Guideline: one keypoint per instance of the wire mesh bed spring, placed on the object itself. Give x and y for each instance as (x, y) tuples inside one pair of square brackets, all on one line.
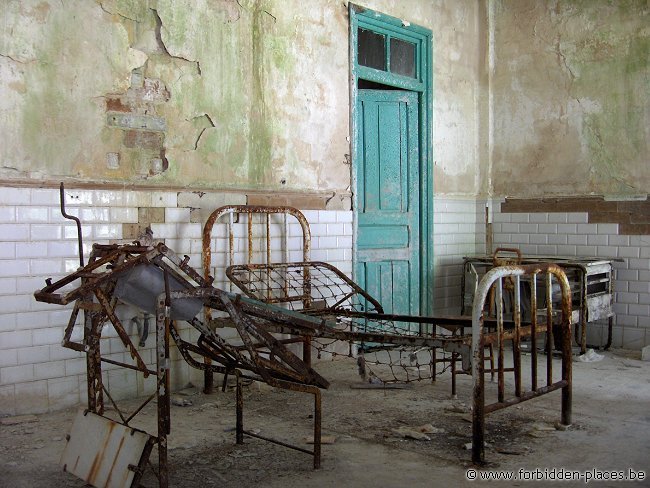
[(321, 290)]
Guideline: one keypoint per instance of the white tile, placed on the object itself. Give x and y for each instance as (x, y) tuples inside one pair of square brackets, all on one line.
[(177, 215), (70, 232), (50, 369), (327, 216), (42, 232), (587, 228), (640, 264), (15, 303), (557, 217), (8, 286), (597, 240), (586, 250), (335, 229), (46, 266), (7, 250), (538, 218), (51, 335), (32, 214), (75, 197), (521, 218), (567, 228), (528, 228), (617, 240), (34, 354), (627, 298), (634, 338), (45, 196), (639, 286), (327, 242), (607, 228), (644, 298), (627, 274), (16, 374), (124, 215), (7, 214), (344, 242), (31, 250), (62, 249), (75, 366), (577, 240), (578, 218), (189, 231), (9, 357), (164, 199), (344, 217), (106, 231), (95, 215), (14, 232), (15, 196), (548, 228), (558, 239), (33, 320), (164, 231), (628, 252)]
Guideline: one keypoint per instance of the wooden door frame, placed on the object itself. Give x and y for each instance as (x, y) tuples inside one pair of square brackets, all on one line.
[(422, 84)]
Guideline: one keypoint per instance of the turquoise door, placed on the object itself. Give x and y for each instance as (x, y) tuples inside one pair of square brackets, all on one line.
[(387, 184)]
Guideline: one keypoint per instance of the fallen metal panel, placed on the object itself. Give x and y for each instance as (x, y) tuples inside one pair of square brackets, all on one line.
[(100, 451)]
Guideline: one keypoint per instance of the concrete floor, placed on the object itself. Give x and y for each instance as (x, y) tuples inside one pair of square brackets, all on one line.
[(611, 431)]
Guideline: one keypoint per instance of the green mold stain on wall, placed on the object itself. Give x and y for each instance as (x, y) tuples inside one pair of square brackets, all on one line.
[(612, 66)]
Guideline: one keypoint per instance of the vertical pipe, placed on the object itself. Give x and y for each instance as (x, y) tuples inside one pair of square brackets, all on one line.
[(549, 330), (77, 221), (317, 428), (250, 237), (239, 428), (533, 332), (516, 343), (478, 409), (500, 366), (162, 393), (231, 244), (268, 255)]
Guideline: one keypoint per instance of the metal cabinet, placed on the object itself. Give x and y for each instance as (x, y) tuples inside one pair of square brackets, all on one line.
[(591, 281)]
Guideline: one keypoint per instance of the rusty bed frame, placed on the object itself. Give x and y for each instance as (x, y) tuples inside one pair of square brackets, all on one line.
[(262, 356)]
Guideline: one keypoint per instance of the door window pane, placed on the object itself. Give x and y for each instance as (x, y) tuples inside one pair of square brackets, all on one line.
[(371, 49), (402, 58)]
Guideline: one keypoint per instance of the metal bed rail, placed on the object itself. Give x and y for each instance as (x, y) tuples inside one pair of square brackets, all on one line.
[(497, 282), (257, 245)]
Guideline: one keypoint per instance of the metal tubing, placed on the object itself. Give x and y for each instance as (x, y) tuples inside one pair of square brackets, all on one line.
[(77, 221)]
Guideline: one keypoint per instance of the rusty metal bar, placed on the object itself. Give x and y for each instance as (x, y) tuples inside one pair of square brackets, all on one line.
[(495, 277), (533, 332), (516, 342), (549, 330), (77, 221)]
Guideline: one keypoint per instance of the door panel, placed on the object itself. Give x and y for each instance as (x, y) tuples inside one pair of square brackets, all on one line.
[(388, 198)]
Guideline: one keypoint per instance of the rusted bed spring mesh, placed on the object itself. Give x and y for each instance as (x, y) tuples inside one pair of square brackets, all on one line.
[(320, 289)]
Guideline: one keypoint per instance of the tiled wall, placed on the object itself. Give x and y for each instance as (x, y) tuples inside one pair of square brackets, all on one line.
[(36, 373), (458, 231), (571, 234)]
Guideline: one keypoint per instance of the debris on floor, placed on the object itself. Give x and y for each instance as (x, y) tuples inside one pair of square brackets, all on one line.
[(590, 356)]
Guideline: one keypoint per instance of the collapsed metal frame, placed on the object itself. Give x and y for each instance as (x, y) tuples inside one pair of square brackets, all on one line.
[(255, 321), (488, 329), (232, 212)]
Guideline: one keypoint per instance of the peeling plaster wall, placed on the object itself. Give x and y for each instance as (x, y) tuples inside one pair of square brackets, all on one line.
[(211, 94), (570, 93)]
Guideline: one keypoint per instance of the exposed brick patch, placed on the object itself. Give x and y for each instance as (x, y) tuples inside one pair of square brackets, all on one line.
[(116, 105), (144, 139), (633, 217)]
